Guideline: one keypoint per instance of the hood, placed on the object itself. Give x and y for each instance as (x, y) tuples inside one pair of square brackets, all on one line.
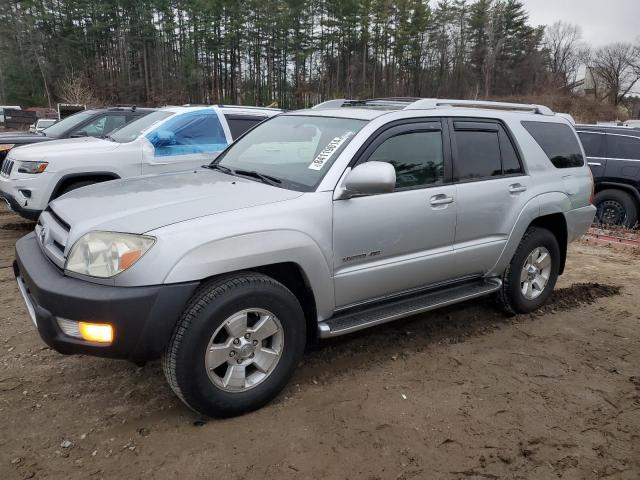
[(141, 204), (85, 145), (18, 138)]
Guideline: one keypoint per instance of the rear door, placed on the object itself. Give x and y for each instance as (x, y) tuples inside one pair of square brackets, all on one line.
[(491, 188), (624, 157), (595, 147)]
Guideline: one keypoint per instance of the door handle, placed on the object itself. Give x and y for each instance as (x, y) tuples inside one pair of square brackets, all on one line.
[(441, 199), (517, 188)]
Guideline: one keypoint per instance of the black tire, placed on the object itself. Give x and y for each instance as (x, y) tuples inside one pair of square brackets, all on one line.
[(510, 295), (183, 361), (74, 186), (616, 207)]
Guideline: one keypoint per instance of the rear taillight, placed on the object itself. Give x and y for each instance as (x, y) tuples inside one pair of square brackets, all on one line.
[(593, 187)]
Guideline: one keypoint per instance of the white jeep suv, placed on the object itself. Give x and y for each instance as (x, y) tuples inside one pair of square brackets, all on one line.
[(168, 140)]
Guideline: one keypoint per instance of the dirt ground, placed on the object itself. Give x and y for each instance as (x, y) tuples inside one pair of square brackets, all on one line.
[(463, 393)]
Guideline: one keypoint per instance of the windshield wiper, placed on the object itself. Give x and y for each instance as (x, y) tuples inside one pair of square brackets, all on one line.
[(268, 179), (215, 166)]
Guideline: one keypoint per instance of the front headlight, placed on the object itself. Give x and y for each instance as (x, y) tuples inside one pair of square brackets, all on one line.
[(32, 167), (106, 254)]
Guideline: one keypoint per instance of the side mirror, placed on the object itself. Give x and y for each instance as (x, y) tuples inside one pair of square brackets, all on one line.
[(164, 138), (370, 178)]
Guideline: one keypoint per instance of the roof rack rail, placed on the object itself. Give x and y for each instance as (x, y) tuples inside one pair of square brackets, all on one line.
[(429, 103), (391, 103)]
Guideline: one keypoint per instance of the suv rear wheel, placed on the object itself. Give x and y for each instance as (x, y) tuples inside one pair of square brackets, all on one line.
[(236, 345), (531, 276), (616, 207)]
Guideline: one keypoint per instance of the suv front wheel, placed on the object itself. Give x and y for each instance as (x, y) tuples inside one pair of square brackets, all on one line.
[(531, 276), (236, 345)]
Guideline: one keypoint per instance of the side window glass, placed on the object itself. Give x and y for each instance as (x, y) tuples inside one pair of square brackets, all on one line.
[(624, 147), (478, 154), (510, 162), (558, 141), (95, 128), (238, 125), (593, 144), (417, 158), (113, 122), (196, 132)]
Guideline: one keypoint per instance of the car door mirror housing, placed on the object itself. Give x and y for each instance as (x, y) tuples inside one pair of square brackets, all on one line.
[(370, 178), (164, 138)]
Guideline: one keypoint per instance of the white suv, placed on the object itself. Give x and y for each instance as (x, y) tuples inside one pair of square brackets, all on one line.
[(168, 140)]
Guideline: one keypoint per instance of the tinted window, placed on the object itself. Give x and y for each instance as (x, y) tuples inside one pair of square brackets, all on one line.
[(95, 128), (593, 144), (558, 142), (478, 154), (239, 124), (510, 162), (416, 156), (623, 147)]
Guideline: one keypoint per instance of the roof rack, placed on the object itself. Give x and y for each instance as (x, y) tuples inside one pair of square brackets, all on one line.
[(411, 103), (428, 103)]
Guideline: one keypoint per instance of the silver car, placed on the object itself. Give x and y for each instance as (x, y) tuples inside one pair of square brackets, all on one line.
[(315, 223)]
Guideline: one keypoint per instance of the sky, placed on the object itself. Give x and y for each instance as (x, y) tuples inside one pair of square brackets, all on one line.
[(602, 21)]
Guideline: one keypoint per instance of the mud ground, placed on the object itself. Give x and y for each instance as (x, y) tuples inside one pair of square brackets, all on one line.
[(463, 393)]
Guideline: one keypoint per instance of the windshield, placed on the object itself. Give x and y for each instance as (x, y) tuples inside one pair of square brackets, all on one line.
[(294, 149), (68, 123), (133, 130)]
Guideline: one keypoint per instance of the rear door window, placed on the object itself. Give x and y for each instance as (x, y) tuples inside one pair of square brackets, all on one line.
[(593, 144), (623, 147), (558, 141), (239, 124)]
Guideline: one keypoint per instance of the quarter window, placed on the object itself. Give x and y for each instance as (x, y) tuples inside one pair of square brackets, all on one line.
[(239, 124), (624, 147), (558, 141), (416, 156)]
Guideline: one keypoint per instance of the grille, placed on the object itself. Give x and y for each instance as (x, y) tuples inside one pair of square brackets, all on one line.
[(7, 166), (52, 233)]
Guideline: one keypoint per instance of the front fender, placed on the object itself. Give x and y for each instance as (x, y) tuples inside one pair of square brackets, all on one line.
[(249, 251)]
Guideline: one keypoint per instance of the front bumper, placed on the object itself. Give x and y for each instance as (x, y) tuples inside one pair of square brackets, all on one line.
[(143, 318), (18, 208)]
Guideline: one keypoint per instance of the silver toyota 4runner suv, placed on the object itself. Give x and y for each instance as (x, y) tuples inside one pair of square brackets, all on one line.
[(314, 224)]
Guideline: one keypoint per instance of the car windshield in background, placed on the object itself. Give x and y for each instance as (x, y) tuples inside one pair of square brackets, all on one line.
[(60, 128), (295, 150), (133, 130)]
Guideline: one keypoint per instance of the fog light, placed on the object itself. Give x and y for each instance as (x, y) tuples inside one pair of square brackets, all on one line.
[(96, 332), (91, 332), (25, 193)]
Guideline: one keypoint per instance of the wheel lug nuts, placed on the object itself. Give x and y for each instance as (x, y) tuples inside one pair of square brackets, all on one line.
[(236, 341), (232, 353), (255, 342), (239, 360), (247, 335)]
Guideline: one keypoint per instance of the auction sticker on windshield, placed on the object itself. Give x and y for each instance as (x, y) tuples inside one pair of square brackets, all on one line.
[(328, 151)]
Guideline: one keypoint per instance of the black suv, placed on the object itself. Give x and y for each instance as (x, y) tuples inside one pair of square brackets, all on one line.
[(614, 157), (88, 123)]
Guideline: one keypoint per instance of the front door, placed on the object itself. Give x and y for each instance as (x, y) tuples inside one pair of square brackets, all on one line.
[(395, 242), (184, 142)]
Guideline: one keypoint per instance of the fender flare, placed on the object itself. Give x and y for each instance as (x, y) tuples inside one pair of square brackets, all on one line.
[(64, 178)]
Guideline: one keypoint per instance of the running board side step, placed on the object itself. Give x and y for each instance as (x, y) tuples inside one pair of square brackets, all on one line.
[(352, 321)]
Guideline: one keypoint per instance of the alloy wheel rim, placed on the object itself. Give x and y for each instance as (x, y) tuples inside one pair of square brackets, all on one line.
[(535, 273), (244, 350)]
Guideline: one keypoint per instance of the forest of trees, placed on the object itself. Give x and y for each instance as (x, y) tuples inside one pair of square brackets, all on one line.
[(290, 53)]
